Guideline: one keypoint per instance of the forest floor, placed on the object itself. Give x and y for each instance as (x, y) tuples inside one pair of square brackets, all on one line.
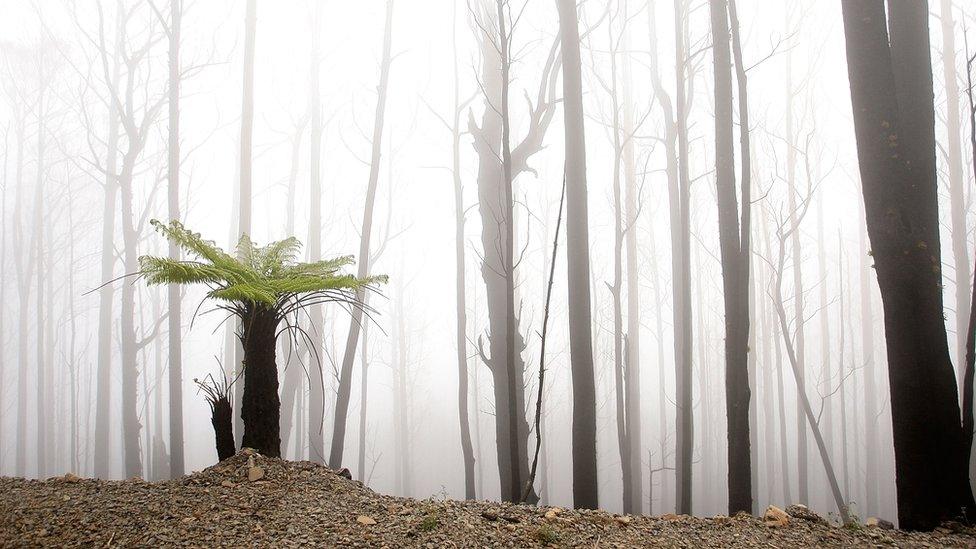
[(250, 500)]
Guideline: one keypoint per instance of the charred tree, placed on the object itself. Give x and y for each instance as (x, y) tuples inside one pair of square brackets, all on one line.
[(890, 70)]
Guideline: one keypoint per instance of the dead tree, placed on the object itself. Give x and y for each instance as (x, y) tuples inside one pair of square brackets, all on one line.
[(578, 254), (349, 355), (890, 71)]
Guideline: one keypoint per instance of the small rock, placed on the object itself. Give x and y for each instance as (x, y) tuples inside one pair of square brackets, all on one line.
[(721, 519), (510, 527), (255, 473), (489, 515), (802, 512), (344, 473), (365, 520), (875, 522), (622, 520), (227, 484), (551, 513), (71, 477), (775, 517)]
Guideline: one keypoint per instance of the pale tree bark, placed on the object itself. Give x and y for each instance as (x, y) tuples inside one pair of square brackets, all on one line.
[(959, 231), (316, 382), (244, 191), (349, 355), (676, 152), (798, 303), (890, 71), (461, 330), (869, 373), (496, 263), (578, 254), (176, 461)]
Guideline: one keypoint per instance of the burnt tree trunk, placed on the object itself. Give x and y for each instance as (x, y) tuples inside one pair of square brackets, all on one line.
[(260, 406), (894, 120)]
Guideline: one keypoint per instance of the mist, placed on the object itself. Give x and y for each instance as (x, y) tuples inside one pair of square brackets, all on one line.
[(501, 211)]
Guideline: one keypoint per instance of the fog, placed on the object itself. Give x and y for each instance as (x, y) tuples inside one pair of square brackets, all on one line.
[(59, 103)]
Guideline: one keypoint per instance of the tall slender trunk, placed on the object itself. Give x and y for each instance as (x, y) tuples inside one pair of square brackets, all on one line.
[(734, 244), (632, 370), (684, 428), (872, 440), (578, 254), (349, 356), (826, 373), (890, 70), (802, 453), (842, 390), (245, 193), (461, 329), (959, 231), (38, 238), (106, 295), (316, 389), (363, 393), (175, 320)]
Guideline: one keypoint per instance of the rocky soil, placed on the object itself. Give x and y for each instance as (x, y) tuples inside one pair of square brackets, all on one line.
[(254, 501)]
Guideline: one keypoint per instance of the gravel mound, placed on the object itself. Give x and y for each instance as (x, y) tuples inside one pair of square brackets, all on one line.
[(253, 501)]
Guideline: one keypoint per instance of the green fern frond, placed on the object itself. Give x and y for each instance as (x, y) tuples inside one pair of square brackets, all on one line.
[(267, 275)]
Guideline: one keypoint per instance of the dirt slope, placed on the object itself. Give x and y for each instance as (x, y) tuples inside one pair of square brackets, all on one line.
[(300, 504)]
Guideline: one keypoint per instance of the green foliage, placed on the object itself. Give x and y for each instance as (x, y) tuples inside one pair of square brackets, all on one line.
[(268, 275), (547, 535), (429, 523)]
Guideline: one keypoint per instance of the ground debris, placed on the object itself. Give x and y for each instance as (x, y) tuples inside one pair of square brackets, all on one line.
[(302, 504)]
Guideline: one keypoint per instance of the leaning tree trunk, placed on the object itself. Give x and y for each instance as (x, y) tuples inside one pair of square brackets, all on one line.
[(894, 121), (578, 255), (260, 406), (349, 356)]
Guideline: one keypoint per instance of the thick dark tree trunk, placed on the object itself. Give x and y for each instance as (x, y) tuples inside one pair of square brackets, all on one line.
[(260, 407), (894, 119), (222, 419), (735, 265), (578, 254)]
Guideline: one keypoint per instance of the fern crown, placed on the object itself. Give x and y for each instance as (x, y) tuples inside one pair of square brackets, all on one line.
[(270, 275)]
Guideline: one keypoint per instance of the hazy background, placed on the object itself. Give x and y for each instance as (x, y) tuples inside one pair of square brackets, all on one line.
[(415, 208)]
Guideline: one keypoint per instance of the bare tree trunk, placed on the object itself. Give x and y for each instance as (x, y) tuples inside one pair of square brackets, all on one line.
[(38, 238), (461, 333), (632, 350), (349, 356), (826, 372), (957, 201), (316, 385), (176, 462), (868, 366), (802, 453), (892, 97), (842, 390), (734, 244), (245, 192), (106, 295), (578, 254)]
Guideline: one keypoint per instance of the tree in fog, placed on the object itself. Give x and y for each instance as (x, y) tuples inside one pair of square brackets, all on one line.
[(890, 70), (497, 173), (679, 208), (261, 288), (352, 339), (585, 493), (734, 244)]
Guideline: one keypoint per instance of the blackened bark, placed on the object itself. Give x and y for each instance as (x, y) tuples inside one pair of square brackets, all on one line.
[(578, 254), (222, 420), (894, 119), (735, 278), (260, 406)]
